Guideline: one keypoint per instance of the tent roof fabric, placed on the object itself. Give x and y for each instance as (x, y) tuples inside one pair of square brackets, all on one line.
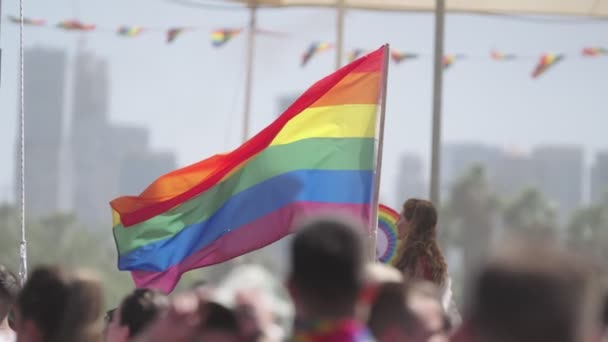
[(584, 8)]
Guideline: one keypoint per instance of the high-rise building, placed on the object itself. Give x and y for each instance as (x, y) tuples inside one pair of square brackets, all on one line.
[(410, 178), (458, 158), (558, 172), (139, 170), (599, 177), (44, 85), (511, 173)]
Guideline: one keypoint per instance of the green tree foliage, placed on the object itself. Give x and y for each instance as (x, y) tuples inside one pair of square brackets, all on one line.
[(588, 231), (530, 213), (60, 239)]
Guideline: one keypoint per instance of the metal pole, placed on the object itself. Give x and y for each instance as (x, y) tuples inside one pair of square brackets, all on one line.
[(378, 162), (339, 32), (437, 97), (249, 71)]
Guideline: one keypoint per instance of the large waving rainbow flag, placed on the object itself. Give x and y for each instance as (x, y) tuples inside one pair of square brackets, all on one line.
[(318, 156)]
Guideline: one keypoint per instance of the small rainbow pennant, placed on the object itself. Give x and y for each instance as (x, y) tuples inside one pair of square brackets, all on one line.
[(222, 36), (172, 33), (354, 54), (594, 51), (129, 31), (398, 56), (546, 61), (27, 21), (501, 56), (387, 226), (313, 49), (75, 25)]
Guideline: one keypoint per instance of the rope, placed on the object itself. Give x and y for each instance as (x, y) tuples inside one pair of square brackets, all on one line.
[(23, 245)]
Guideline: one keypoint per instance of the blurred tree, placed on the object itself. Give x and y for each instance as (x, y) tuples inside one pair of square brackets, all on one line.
[(467, 219), (588, 231), (60, 239), (530, 213)]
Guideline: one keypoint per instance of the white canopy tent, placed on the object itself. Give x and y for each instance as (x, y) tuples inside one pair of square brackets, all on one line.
[(583, 9)]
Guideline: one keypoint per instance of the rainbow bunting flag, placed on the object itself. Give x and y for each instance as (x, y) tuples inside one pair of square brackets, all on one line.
[(75, 25), (221, 37), (501, 56), (387, 241), (27, 21), (398, 56), (173, 33), (448, 60), (314, 49), (546, 61), (317, 157), (594, 51), (354, 54), (129, 31)]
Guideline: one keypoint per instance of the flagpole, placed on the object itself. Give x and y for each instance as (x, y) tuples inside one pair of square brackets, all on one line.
[(373, 224), (249, 72), (437, 98), (339, 33)]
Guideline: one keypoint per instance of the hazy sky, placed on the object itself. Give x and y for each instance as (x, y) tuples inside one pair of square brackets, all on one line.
[(190, 94)]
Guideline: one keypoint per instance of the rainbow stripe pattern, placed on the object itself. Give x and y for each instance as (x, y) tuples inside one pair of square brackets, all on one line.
[(398, 56), (129, 31), (222, 36), (314, 49), (318, 156), (75, 25), (501, 56), (387, 225), (27, 21), (546, 61), (594, 51)]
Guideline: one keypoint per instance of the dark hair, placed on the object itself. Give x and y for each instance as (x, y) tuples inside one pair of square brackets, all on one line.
[(64, 306), (421, 242), (140, 308), (327, 265), (389, 309), (217, 317), (9, 289), (532, 293)]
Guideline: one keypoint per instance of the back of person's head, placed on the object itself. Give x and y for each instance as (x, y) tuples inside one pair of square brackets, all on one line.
[(57, 305), (218, 323), (140, 308), (533, 292), (423, 215), (390, 318), (9, 289), (327, 267)]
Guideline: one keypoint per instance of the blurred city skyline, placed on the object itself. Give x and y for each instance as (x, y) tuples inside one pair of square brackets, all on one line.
[(189, 95)]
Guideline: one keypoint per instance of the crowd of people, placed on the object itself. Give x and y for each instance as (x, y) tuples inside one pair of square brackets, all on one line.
[(525, 292)]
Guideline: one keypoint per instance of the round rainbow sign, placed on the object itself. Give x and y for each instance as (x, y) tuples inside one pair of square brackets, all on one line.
[(387, 239)]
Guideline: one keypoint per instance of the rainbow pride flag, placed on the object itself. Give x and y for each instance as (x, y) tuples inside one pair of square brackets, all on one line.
[(317, 157)]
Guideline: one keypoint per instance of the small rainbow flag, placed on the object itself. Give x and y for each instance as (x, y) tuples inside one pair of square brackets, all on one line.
[(27, 21), (448, 60), (387, 242), (546, 61), (172, 33), (75, 25), (129, 31), (313, 49), (500, 56), (354, 54), (594, 51), (399, 57), (222, 36), (317, 157)]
